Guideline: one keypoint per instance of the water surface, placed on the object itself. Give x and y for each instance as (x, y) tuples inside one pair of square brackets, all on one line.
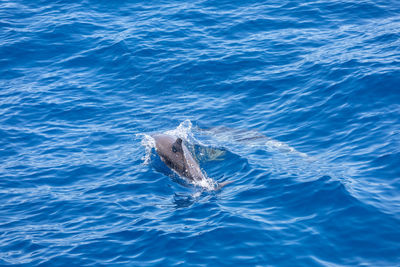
[(296, 102)]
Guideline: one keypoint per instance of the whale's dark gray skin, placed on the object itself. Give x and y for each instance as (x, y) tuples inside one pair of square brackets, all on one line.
[(177, 156)]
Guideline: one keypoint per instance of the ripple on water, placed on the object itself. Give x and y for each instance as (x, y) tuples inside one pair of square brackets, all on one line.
[(296, 103)]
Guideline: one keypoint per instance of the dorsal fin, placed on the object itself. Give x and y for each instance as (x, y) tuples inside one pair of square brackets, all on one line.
[(177, 145)]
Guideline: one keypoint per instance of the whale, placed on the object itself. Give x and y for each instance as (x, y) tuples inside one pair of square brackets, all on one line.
[(175, 154)]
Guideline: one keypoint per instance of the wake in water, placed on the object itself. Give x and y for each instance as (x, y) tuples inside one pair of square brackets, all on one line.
[(218, 144), (249, 138), (212, 144)]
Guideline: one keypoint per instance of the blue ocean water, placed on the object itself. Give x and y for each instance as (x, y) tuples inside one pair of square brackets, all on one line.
[(296, 102)]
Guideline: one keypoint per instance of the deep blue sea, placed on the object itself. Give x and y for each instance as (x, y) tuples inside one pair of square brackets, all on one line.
[(297, 103)]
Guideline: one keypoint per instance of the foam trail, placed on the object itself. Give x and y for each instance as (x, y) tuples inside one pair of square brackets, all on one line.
[(249, 138)]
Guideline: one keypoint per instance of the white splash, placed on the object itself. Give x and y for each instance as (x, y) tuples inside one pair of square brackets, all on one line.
[(207, 183), (148, 143), (184, 131)]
